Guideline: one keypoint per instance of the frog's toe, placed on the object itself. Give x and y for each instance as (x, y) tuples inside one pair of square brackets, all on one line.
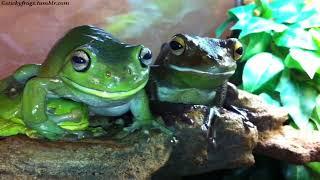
[(48, 130), (122, 134), (98, 132), (128, 130), (78, 135), (161, 127), (89, 133), (144, 126), (134, 126), (147, 125)]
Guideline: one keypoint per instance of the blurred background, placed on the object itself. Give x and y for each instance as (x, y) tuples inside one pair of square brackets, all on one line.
[(28, 32)]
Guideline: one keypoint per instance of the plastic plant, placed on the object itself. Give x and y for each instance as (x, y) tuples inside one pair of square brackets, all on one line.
[(282, 58), (282, 55)]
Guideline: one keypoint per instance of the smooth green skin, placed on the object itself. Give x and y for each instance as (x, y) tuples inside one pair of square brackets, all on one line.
[(66, 113), (195, 76), (112, 86)]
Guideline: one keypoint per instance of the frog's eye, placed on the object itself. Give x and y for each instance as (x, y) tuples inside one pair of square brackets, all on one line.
[(177, 45), (145, 57), (80, 61), (237, 49)]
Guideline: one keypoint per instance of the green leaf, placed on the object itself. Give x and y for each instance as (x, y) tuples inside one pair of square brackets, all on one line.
[(298, 99), (297, 172), (309, 61), (224, 25), (257, 24), (279, 51), (308, 19), (242, 12), (314, 166), (286, 11), (260, 69), (317, 108), (316, 114), (264, 8), (295, 38), (315, 33), (290, 63), (255, 43), (268, 99)]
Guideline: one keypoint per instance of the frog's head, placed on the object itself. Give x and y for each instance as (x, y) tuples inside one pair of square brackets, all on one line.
[(200, 61), (105, 67)]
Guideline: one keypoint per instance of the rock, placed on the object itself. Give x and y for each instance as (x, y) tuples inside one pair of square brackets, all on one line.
[(193, 155), (276, 140), (291, 145), (135, 157), (139, 156), (262, 115)]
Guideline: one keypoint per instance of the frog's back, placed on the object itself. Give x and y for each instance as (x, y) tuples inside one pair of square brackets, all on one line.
[(74, 38)]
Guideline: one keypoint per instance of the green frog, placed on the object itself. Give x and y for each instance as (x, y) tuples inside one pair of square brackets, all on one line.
[(88, 71), (193, 70)]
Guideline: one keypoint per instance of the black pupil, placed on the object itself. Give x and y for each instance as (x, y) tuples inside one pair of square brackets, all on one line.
[(174, 45), (78, 60), (239, 50), (148, 55)]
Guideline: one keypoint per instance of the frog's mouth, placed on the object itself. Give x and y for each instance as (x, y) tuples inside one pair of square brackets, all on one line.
[(104, 94), (219, 73)]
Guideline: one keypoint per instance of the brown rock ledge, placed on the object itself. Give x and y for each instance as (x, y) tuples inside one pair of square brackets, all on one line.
[(140, 156), (291, 145)]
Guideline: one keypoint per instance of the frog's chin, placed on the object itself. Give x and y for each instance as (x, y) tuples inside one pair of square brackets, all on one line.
[(190, 70), (104, 94)]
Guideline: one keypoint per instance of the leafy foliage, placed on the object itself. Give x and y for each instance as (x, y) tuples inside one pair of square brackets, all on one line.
[(254, 78), (282, 61), (267, 168), (282, 54)]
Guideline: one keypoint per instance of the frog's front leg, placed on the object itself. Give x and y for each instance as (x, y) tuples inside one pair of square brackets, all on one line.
[(74, 117), (143, 118), (209, 123), (25, 72), (20, 76), (34, 105), (71, 124)]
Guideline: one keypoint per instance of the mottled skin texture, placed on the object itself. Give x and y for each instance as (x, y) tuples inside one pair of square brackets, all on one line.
[(194, 70), (87, 70)]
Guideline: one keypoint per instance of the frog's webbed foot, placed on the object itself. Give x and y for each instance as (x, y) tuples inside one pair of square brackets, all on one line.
[(208, 126), (88, 133), (243, 113), (50, 130), (145, 126)]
